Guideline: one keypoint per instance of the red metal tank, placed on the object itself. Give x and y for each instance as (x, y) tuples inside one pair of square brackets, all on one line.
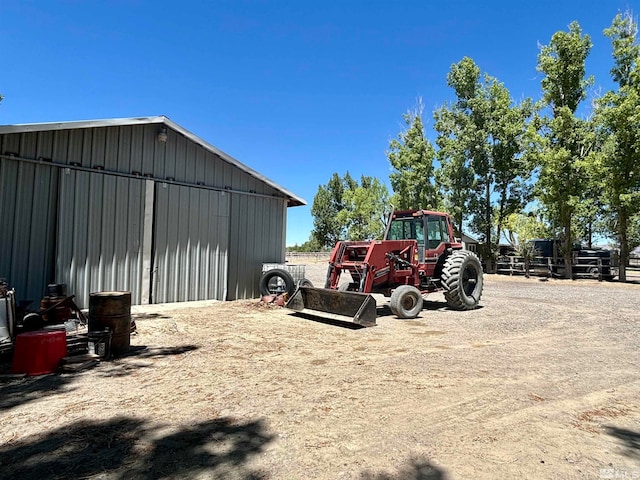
[(39, 352)]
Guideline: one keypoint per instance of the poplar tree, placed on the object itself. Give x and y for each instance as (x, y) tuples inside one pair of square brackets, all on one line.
[(566, 140), (327, 204), (455, 175), (344, 209), (411, 156), (366, 209), (481, 139), (618, 114)]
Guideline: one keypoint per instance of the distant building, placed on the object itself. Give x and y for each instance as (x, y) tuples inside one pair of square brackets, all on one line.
[(470, 243), (137, 204)]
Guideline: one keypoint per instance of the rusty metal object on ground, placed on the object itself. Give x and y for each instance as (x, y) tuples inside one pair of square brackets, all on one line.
[(59, 309), (55, 309), (112, 310), (279, 300)]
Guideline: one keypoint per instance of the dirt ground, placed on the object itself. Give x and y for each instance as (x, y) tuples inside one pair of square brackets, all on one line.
[(541, 382)]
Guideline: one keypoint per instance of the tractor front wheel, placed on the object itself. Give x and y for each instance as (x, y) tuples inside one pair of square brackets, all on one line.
[(462, 280), (406, 301)]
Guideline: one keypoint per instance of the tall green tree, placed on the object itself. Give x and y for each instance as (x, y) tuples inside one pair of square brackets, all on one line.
[(481, 135), (566, 141), (327, 204), (618, 114), (366, 209), (344, 209), (590, 217), (411, 156), (455, 175)]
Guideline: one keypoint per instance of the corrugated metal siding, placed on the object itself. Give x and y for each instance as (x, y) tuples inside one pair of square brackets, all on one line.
[(100, 234), (133, 149), (257, 237), (28, 200), (254, 225), (191, 244)]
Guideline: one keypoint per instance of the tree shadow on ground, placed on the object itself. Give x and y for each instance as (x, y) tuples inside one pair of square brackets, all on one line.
[(127, 363), (629, 438), (129, 448), (416, 469), (24, 390), (142, 351)]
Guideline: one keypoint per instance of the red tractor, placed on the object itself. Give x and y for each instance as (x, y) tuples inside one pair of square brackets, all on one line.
[(419, 255)]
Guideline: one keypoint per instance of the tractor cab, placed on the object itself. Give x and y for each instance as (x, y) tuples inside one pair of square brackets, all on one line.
[(432, 230)]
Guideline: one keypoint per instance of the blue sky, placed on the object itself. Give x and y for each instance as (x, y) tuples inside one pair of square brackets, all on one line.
[(296, 90)]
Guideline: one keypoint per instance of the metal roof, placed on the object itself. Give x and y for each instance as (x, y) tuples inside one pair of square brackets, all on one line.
[(294, 200), (467, 239)]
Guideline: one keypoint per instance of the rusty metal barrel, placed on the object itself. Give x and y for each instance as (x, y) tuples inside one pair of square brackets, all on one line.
[(112, 310)]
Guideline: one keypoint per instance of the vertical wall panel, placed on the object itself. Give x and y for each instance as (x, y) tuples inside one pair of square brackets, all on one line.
[(112, 143), (44, 146), (135, 153), (98, 147), (181, 159), (85, 151), (147, 241), (74, 152), (99, 234), (257, 237), (150, 135), (123, 160), (10, 143), (28, 198), (191, 244), (60, 146), (189, 168)]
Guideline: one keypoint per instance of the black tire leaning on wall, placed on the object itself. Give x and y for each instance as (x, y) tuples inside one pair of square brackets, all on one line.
[(271, 276)]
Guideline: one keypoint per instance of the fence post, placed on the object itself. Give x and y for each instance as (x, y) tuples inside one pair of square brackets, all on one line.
[(599, 269)]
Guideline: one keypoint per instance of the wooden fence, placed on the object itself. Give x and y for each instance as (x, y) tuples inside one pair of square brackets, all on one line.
[(598, 268), (307, 257)]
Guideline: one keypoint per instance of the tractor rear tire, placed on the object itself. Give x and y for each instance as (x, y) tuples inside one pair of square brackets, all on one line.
[(406, 301), (277, 282), (462, 280)]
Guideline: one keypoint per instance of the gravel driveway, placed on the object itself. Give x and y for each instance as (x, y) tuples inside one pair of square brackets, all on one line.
[(542, 381)]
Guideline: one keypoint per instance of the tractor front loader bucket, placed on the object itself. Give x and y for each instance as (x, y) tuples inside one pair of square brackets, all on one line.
[(357, 307)]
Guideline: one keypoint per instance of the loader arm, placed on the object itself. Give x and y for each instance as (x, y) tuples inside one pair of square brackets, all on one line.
[(374, 267)]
